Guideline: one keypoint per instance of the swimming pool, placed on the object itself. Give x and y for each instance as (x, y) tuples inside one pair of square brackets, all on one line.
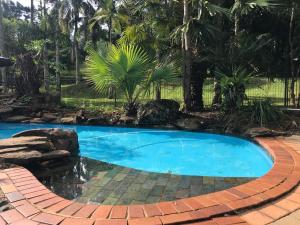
[(165, 151)]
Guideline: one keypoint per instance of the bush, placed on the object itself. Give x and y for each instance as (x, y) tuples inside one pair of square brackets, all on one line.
[(264, 113)]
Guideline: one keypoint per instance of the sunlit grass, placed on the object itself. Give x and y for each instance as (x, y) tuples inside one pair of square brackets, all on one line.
[(85, 96)]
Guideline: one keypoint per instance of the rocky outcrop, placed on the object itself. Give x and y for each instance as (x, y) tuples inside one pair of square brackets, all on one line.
[(17, 119), (263, 132), (193, 124), (157, 112), (39, 145)]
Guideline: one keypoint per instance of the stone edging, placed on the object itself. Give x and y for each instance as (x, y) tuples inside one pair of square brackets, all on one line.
[(34, 201)]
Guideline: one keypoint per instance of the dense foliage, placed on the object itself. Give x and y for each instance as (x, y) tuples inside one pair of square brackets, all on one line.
[(234, 38)]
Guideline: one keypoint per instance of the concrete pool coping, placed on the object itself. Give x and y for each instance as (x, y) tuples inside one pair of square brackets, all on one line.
[(33, 202)]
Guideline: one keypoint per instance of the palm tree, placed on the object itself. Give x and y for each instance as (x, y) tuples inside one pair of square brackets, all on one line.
[(194, 33), (151, 31), (107, 14), (293, 10), (243, 7), (69, 19), (45, 50), (187, 55), (128, 69), (55, 20), (31, 11)]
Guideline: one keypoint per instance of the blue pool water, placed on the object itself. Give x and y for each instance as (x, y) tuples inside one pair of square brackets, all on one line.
[(165, 151)]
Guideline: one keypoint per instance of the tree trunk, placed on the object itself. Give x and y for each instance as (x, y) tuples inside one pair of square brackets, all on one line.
[(110, 30), (31, 12), (57, 62), (217, 93), (197, 81), (236, 20), (45, 56), (292, 65), (3, 70), (46, 70), (57, 59), (77, 66), (187, 59), (27, 76), (158, 86), (76, 49)]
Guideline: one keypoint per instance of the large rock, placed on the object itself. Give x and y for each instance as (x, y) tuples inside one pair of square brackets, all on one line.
[(193, 124), (97, 120), (61, 139), (68, 120), (17, 119), (157, 112), (262, 132), (35, 146)]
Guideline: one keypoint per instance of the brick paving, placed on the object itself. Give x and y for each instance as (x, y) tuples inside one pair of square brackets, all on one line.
[(270, 199), (108, 184)]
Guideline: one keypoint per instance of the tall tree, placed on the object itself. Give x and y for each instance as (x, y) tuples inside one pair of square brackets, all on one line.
[(45, 50), (187, 55), (197, 31), (31, 11), (108, 15), (3, 70), (69, 21), (294, 48)]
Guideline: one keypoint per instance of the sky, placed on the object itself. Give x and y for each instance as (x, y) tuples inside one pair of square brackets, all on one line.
[(24, 2)]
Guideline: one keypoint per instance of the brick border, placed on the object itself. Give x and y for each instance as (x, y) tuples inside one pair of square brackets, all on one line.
[(35, 203)]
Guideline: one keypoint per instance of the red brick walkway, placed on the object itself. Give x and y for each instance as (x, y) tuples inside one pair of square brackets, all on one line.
[(35, 204)]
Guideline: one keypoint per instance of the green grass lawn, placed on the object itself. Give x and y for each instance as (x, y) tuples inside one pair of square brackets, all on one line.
[(85, 96)]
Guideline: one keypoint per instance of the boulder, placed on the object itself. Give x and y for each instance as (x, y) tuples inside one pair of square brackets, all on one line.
[(157, 112), (17, 119), (36, 120), (126, 120), (36, 146), (6, 111), (193, 124), (61, 139), (97, 120), (67, 120), (49, 117), (80, 117), (263, 132)]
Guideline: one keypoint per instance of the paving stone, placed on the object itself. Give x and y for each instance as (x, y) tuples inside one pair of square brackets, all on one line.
[(157, 190), (71, 209), (274, 212), (184, 183), (118, 212), (288, 205), (149, 184), (182, 193), (142, 177), (257, 218), (14, 196), (120, 177), (27, 210), (48, 218), (111, 201), (24, 222), (102, 212), (86, 211), (8, 188), (77, 221), (11, 216)]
